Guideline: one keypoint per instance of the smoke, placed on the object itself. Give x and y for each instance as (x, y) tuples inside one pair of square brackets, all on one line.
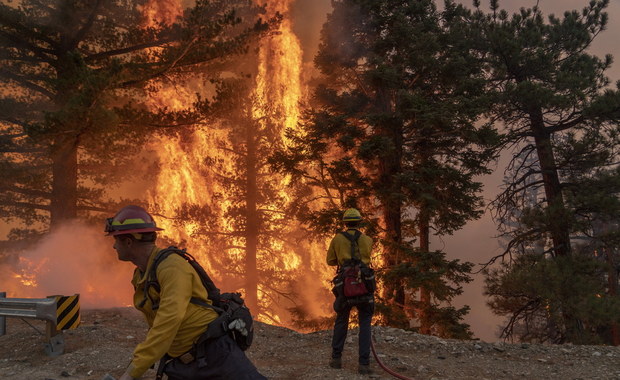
[(308, 18), (73, 259)]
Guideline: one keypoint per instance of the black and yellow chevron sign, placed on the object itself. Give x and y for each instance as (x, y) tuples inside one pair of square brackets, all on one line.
[(67, 312)]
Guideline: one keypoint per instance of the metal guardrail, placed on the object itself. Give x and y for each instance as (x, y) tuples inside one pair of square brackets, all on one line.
[(54, 310)]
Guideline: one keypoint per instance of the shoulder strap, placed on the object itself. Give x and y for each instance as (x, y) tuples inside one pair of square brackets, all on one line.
[(151, 277), (213, 293), (353, 239)]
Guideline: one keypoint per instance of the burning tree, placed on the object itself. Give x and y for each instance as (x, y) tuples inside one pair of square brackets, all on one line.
[(251, 222), (75, 74), (216, 188), (561, 116), (394, 132)]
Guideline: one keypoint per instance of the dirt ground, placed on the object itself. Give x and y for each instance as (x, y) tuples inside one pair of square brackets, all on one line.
[(105, 339)]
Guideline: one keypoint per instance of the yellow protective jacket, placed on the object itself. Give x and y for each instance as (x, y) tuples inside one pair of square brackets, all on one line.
[(177, 323), (340, 248)]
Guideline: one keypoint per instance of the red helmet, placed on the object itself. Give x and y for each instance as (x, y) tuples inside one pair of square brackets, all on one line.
[(130, 220)]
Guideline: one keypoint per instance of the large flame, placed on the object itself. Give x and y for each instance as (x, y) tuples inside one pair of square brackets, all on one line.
[(194, 206), (187, 186)]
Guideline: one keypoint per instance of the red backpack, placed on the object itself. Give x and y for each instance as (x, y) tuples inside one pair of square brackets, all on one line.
[(354, 279)]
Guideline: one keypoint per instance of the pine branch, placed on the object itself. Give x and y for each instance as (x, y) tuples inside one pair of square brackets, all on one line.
[(23, 191), (23, 31), (25, 205), (87, 25), (24, 82), (125, 50)]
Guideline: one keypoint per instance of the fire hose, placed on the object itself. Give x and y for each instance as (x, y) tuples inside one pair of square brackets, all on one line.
[(386, 369)]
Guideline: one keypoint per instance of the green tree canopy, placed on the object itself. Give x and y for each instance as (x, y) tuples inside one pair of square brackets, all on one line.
[(561, 117)]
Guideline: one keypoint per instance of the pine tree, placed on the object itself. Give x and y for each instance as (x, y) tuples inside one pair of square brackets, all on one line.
[(561, 116), (74, 77), (253, 206), (394, 132)]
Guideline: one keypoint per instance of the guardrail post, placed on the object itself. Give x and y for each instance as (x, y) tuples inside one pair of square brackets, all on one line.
[(2, 318), (55, 340), (59, 312)]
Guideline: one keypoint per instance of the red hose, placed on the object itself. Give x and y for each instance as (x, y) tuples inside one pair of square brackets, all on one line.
[(386, 369)]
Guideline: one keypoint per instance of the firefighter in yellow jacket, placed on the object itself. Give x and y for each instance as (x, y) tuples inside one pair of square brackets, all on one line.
[(175, 324), (338, 254)]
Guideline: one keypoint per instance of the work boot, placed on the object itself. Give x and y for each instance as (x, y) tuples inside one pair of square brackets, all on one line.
[(364, 369), (335, 363)]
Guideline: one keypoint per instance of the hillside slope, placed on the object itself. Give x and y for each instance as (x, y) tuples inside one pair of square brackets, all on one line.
[(104, 342)]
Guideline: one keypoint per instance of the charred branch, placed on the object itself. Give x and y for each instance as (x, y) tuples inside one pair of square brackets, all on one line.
[(520, 238), (524, 313), (28, 32)]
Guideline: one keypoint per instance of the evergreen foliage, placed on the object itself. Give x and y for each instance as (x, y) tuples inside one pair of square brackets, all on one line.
[(561, 117), (252, 221), (73, 99), (393, 132)]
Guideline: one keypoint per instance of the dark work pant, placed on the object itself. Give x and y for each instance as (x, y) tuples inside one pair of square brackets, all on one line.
[(224, 361), (341, 326)]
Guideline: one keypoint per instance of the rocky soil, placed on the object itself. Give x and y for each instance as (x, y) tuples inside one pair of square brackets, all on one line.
[(104, 341)]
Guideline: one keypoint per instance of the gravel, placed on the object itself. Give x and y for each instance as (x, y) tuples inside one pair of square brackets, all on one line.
[(105, 339)]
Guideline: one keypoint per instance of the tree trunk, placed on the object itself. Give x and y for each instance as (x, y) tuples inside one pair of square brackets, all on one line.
[(425, 296), (252, 222), (64, 197), (612, 283), (65, 141), (556, 209), (390, 166), (553, 191)]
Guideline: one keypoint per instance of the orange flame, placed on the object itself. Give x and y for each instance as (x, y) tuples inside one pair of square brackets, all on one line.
[(188, 181), (80, 260)]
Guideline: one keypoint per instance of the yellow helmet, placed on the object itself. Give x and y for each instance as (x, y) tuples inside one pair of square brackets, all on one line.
[(351, 215)]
